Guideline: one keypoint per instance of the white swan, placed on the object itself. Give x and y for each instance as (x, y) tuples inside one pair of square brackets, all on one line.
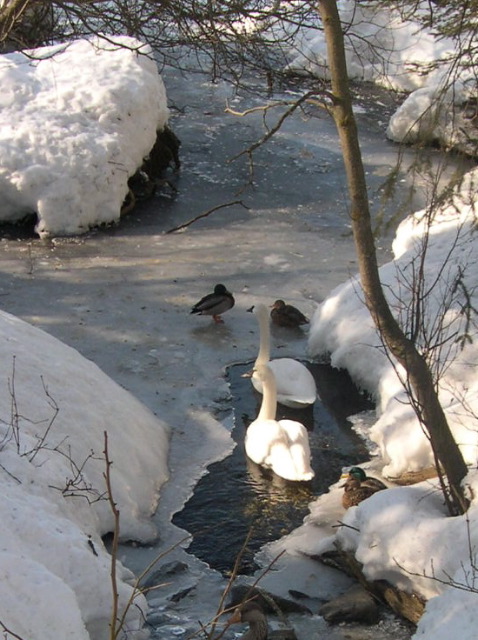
[(295, 384), (281, 445)]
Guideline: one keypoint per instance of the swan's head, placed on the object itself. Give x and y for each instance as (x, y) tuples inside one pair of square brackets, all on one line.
[(260, 372), (259, 310)]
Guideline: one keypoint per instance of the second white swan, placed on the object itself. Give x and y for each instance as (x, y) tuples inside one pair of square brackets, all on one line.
[(295, 384)]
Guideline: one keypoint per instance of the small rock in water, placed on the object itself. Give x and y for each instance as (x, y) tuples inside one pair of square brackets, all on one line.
[(240, 592), (163, 573), (355, 605)]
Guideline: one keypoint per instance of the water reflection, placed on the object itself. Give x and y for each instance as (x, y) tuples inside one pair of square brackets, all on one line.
[(237, 495)]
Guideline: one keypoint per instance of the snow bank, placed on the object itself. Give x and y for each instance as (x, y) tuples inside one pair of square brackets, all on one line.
[(443, 112), (53, 510), (76, 121), (403, 536), (342, 328), (380, 47)]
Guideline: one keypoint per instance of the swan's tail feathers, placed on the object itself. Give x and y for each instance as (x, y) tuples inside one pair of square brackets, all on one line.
[(299, 449)]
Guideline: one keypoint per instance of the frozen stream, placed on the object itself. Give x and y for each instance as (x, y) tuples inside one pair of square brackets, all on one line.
[(121, 296)]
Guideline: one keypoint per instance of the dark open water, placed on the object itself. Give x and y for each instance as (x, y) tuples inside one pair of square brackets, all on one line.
[(236, 494)]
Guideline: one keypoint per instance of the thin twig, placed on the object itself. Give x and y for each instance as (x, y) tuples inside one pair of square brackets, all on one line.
[(205, 214), (114, 629), (295, 105), (342, 524), (262, 108), (56, 410), (10, 474), (10, 632)]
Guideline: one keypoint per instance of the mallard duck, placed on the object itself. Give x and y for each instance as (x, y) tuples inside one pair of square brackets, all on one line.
[(358, 487), (285, 315), (214, 304), (253, 613), (280, 445), (294, 382)]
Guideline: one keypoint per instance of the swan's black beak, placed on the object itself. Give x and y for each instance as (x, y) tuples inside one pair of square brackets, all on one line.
[(251, 309)]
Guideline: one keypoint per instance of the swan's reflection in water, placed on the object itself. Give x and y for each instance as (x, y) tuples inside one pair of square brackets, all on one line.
[(273, 496), (237, 495)]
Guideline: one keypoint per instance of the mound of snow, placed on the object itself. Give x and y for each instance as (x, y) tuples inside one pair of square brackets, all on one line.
[(55, 407), (76, 121), (343, 329)]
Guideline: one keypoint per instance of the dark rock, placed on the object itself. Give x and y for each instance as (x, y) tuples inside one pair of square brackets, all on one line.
[(172, 568), (149, 176), (157, 618), (182, 594), (408, 605), (268, 601), (282, 634), (162, 574), (355, 605), (164, 153), (298, 595)]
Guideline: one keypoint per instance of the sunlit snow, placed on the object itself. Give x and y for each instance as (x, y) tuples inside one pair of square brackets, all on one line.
[(76, 122), (104, 106)]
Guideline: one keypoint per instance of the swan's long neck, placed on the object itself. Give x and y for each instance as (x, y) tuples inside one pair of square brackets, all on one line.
[(264, 354), (269, 398)]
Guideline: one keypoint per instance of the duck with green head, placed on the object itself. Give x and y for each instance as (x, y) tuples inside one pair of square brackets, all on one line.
[(215, 303), (359, 486)]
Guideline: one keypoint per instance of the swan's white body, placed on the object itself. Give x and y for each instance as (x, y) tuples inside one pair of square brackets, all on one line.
[(295, 384), (281, 445)]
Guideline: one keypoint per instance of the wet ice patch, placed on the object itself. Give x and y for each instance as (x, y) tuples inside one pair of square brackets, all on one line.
[(275, 260)]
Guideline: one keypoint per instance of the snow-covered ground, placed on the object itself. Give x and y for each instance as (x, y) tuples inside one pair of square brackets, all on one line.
[(56, 408), (50, 540)]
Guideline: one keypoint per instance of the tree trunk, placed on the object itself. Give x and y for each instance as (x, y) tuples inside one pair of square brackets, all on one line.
[(426, 403)]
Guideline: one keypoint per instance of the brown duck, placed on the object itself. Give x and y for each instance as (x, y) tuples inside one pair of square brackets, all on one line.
[(253, 613), (359, 487), (285, 315)]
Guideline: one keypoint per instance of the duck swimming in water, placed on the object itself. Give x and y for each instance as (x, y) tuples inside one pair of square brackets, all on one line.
[(215, 304), (358, 487), (285, 315)]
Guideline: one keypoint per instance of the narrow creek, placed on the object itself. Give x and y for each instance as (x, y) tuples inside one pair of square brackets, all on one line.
[(236, 495), (299, 189)]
